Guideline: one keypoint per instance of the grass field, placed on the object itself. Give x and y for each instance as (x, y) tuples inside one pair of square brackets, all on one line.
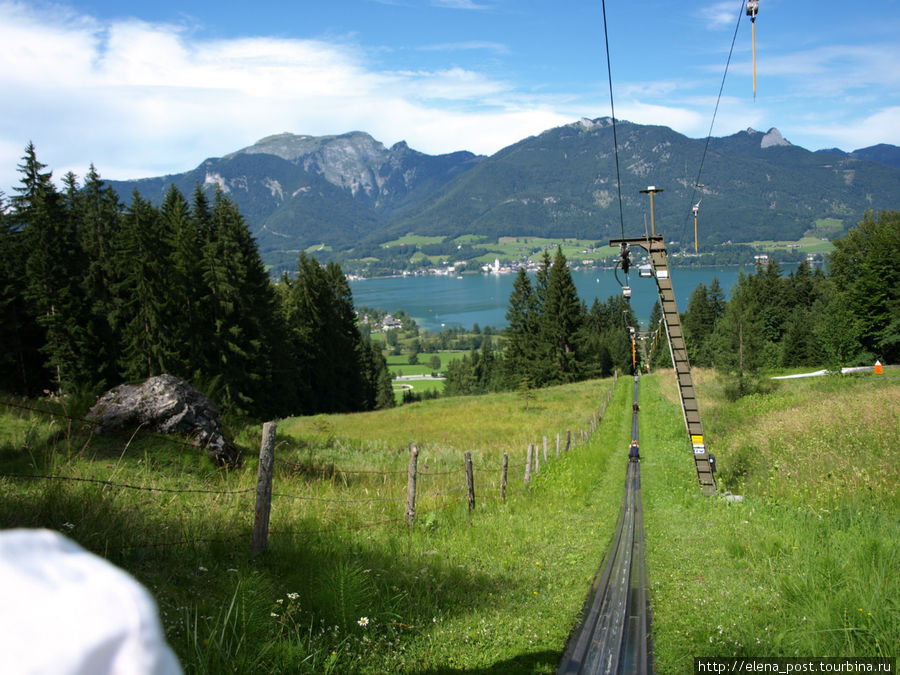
[(804, 245), (806, 564), (512, 248)]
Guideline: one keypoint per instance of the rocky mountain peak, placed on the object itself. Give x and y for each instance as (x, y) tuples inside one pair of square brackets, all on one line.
[(773, 138)]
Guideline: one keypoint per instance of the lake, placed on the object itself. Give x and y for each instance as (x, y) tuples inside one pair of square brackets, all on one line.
[(436, 301)]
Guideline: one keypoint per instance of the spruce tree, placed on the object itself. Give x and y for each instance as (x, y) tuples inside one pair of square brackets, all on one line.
[(99, 212), (342, 350), (243, 308), (52, 271), (143, 309), (520, 346), (190, 328), (699, 321), (324, 340), (863, 267), (21, 363), (562, 315), (739, 339)]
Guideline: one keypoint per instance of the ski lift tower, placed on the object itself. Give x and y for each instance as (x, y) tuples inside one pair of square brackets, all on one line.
[(656, 248)]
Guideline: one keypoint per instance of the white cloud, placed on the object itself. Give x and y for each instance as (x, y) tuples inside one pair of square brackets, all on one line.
[(882, 126), (719, 15), (138, 98), (472, 45), (459, 4)]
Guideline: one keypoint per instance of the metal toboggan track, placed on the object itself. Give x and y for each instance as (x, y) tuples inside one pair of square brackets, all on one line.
[(613, 634)]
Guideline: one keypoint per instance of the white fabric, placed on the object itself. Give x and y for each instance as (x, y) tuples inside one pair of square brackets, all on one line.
[(65, 611)]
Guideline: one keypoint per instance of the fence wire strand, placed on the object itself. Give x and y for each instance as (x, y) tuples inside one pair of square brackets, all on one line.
[(491, 495)]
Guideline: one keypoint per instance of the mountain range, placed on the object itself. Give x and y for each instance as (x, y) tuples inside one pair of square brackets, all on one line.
[(350, 192)]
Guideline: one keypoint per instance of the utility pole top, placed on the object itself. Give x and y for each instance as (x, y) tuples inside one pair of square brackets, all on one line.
[(652, 190)]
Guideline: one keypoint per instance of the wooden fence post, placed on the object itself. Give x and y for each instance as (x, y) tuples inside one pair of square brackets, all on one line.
[(264, 489), (568, 439), (557, 446), (537, 460), (411, 484), (503, 474), (528, 464), (470, 481), (545, 449)]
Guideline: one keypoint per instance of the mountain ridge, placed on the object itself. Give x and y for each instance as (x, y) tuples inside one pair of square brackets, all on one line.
[(340, 191)]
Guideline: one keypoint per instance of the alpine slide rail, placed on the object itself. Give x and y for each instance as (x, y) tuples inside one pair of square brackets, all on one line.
[(613, 633)]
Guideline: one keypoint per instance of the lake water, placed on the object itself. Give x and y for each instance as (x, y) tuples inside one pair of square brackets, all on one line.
[(436, 301)]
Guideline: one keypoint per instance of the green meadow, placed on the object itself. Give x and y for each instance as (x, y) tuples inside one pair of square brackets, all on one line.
[(805, 564)]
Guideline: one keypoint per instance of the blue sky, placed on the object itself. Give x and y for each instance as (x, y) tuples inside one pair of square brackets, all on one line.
[(144, 89)]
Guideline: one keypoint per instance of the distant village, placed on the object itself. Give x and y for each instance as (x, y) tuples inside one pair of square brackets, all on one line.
[(507, 267)]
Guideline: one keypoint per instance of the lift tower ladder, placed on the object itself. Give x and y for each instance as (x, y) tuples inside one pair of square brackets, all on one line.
[(654, 245)]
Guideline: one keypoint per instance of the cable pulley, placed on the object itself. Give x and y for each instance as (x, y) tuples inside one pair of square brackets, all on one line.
[(752, 9), (624, 262), (696, 210)]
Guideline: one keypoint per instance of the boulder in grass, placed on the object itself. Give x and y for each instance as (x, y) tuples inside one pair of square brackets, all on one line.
[(166, 404)]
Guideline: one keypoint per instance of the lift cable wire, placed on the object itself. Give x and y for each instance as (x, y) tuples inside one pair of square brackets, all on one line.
[(613, 110), (711, 124)]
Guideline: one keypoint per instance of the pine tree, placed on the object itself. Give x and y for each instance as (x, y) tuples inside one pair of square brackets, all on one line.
[(738, 340), (242, 306), (52, 270), (562, 316), (21, 363), (800, 345), (190, 328), (698, 323), (99, 212), (378, 391), (839, 332), (520, 347), (323, 338), (143, 310), (863, 267)]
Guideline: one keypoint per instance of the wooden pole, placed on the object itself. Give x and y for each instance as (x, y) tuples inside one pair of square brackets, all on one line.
[(557, 446), (503, 475), (264, 490), (568, 439), (545, 449), (537, 460), (470, 481), (411, 484), (528, 464)]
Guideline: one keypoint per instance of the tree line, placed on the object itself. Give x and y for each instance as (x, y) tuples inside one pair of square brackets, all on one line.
[(849, 316), (94, 293), (551, 338)]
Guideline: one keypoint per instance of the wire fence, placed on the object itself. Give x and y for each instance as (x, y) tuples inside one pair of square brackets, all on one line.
[(349, 499)]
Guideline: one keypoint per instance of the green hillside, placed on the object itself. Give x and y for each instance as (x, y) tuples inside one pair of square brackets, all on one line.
[(805, 564), (558, 184)]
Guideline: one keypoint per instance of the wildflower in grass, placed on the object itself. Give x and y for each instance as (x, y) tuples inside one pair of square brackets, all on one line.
[(273, 614), (202, 569), (293, 596), (363, 621)]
